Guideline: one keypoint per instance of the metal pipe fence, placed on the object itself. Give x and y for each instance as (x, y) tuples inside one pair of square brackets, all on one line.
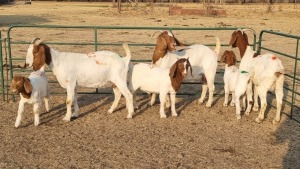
[(1, 69), (98, 40)]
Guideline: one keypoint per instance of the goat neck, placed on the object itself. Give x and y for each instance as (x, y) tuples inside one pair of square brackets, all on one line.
[(159, 52)]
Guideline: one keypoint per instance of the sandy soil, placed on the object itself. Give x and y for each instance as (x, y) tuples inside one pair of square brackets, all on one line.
[(199, 138)]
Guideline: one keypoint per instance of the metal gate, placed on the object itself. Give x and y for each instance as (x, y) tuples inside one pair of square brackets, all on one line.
[(1, 69), (289, 53)]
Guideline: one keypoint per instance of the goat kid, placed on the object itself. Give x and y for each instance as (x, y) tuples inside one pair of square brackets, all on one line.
[(230, 75), (32, 90), (159, 80), (203, 60), (265, 71), (89, 70)]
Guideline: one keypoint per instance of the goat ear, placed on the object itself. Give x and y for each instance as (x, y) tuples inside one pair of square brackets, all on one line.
[(39, 57), (161, 41), (173, 70), (233, 58), (27, 85), (223, 56), (188, 65), (178, 43), (233, 39)]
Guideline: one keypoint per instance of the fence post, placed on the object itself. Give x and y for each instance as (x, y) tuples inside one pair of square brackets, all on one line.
[(1, 69)]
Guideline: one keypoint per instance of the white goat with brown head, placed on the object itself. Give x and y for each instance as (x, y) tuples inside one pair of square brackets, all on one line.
[(230, 75), (203, 61), (160, 81), (32, 90), (265, 71), (94, 69)]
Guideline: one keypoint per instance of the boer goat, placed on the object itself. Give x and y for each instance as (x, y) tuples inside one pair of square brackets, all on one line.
[(230, 75), (32, 90), (89, 70), (203, 60), (265, 71), (159, 80)]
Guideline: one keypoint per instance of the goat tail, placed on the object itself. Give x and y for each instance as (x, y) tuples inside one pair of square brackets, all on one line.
[(218, 46), (126, 59)]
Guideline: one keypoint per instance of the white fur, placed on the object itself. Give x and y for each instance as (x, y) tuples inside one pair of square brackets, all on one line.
[(261, 72), (40, 90), (153, 80), (230, 79), (94, 69), (203, 61)]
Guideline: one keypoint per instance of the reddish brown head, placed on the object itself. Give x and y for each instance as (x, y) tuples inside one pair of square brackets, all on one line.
[(38, 55), (166, 41), (239, 39), (178, 71), (20, 84), (228, 57)]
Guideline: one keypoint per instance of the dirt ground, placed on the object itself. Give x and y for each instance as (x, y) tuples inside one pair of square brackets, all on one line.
[(199, 137)]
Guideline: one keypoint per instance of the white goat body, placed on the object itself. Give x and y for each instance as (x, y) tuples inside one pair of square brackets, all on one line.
[(203, 61), (154, 80), (39, 90), (266, 72), (89, 70), (230, 79)]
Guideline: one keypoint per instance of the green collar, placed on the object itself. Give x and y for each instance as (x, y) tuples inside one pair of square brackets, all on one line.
[(243, 71)]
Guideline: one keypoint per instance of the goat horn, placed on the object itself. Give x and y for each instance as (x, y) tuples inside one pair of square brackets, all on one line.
[(35, 39), (155, 33), (249, 30), (38, 42)]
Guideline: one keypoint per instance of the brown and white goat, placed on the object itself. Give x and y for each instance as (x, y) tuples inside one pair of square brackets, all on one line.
[(203, 60), (94, 69), (32, 90), (265, 71), (159, 80), (230, 75)]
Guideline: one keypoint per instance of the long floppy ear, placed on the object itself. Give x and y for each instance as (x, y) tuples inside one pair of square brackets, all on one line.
[(233, 58), (224, 56), (39, 56), (188, 65), (27, 85), (233, 39), (161, 41), (173, 70)]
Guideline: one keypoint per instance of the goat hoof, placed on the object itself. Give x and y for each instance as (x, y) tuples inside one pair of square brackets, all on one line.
[(275, 121), (66, 119), (110, 111), (231, 104), (200, 102), (258, 120), (174, 114), (129, 117), (247, 113), (163, 116), (255, 108), (225, 105), (208, 105), (238, 116)]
